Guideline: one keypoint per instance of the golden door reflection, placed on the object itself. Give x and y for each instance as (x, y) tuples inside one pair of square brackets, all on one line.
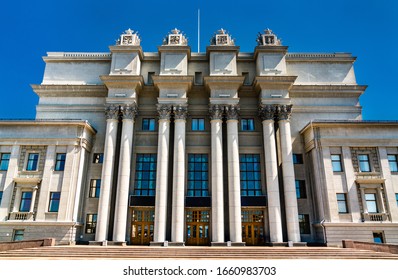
[(142, 226), (198, 227), (253, 227)]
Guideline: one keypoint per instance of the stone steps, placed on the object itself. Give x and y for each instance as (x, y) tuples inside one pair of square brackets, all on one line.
[(142, 252)]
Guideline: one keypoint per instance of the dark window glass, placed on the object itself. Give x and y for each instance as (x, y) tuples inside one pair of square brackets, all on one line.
[(336, 163), (371, 202), (301, 191), (198, 175), (145, 175), (60, 162), (148, 124), (1, 197), (98, 158), (378, 237), (150, 78), (297, 158), (250, 175), (198, 124), (396, 198), (91, 223), (26, 201), (246, 78), (33, 160), (198, 78), (364, 164), (342, 202), (54, 201), (18, 234), (4, 161), (95, 187), (247, 124), (392, 160), (304, 224)]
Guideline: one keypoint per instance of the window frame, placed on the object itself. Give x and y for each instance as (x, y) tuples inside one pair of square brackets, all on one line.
[(340, 201), (304, 223), (301, 189), (91, 223), (198, 78), (396, 198), (95, 189), (390, 162), (247, 124), (298, 159), (98, 158), (367, 161), (36, 162), (150, 78), (147, 185), (59, 162), (368, 201), (24, 200), (198, 176), (150, 126), (54, 201), (198, 124), (1, 196), (17, 233), (245, 180), (3, 165), (339, 162)]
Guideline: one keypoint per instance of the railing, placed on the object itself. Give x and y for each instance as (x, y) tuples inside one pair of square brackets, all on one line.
[(21, 216), (375, 217)]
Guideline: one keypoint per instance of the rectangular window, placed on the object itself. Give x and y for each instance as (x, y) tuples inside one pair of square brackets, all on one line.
[(26, 201), (396, 198), (297, 158), (301, 191), (98, 158), (198, 124), (342, 203), (53, 206), (18, 235), (364, 164), (91, 223), (148, 124), (4, 160), (95, 186), (378, 237), (198, 175), (336, 163), (32, 163), (392, 160), (145, 175), (60, 162), (1, 197), (247, 124), (198, 78), (150, 78), (250, 175), (371, 202), (304, 224), (246, 78)]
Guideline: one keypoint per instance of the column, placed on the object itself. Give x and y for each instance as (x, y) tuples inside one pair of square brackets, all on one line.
[(111, 113), (177, 221), (217, 182), (293, 230), (235, 219), (162, 174), (33, 201), (123, 183), (267, 114)]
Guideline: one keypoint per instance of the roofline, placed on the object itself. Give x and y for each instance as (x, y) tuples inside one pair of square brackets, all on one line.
[(328, 123), (27, 122)]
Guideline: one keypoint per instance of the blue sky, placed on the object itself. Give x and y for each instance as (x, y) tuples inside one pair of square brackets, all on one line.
[(367, 29)]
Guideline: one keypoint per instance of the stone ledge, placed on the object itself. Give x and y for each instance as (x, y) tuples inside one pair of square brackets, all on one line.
[(16, 245)]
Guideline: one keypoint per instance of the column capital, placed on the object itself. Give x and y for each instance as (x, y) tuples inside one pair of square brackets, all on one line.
[(164, 111), (129, 111), (112, 111), (216, 111), (283, 112), (180, 112), (232, 112), (267, 111)]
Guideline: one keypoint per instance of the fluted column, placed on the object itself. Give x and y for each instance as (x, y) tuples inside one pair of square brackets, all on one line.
[(111, 113), (217, 182), (177, 221), (267, 114), (235, 219), (162, 173), (292, 224), (123, 183)]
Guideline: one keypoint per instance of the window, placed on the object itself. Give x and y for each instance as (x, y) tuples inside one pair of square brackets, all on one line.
[(4, 160), (396, 198), (98, 158), (371, 202), (392, 160), (342, 203), (1, 197), (301, 191), (198, 175), (297, 158), (91, 223), (378, 237), (198, 78), (198, 124), (150, 78), (95, 185), (54, 201), (336, 163), (60, 162), (18, 235), (33, 160), (246, 78), (148, 124), (364, 164), (250, 175), (145, 175), (26, 201), (247, 124), (304, 224)]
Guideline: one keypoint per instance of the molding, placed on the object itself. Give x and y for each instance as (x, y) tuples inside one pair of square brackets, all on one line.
[(173, 81), (223, 82), (127, 49), (274, 82), (43, 122), (269, 49), (123, 81), (70, 90), (337, 90), (320, 57), (175, 49), (38, 223), (76, 56), (28, 180)]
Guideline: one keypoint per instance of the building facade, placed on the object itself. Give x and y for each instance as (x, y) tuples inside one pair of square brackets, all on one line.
[(181, 148)]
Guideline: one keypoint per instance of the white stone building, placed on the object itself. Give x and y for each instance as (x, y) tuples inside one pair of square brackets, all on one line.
[(216, 148)]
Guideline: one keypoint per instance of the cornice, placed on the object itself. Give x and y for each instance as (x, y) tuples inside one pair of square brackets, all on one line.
[(269, 49), (327, 90), (274, 82), (76, 56), (122, 81), (224, 82), (70, 90), (175, 81), (127, 49), (175, 49), (62, 123), (320, 57)]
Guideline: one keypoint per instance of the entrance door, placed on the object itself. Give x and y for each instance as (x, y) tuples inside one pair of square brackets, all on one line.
[(142, 226), (197, 227), (253, 227)]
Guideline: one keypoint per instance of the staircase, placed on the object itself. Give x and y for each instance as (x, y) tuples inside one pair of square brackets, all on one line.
[(204, 253)]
